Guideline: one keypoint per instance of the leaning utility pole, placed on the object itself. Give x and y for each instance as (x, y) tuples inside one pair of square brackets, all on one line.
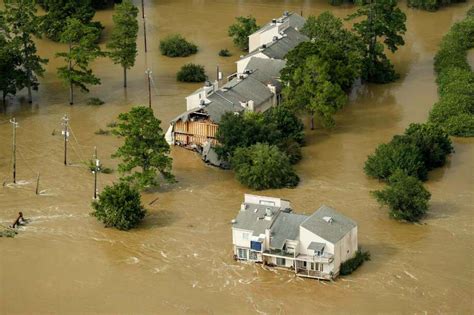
[(65, 133), (143, 9), (14, 125), (148, 73), (95, 171)]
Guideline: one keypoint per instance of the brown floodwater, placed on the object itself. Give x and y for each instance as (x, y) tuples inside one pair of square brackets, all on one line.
[(180, 259)]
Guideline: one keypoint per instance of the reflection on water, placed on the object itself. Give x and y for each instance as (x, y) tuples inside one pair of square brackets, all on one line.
[(180, 260)]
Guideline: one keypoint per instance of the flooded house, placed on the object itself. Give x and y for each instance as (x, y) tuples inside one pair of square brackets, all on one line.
[(255, 87), (314, 246)]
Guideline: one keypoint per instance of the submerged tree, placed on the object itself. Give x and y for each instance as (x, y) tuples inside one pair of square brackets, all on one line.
[(405, 196), (119, 206), (241, 30), (383, 22), (22, 24), (12, 77), (83, 49), (144, 148), (123, 42)]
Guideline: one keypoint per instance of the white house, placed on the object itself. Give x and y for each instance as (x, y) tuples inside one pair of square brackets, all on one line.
[(266, 231)]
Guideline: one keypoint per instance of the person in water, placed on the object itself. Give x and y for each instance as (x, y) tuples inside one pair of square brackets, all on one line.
[(19, 221)]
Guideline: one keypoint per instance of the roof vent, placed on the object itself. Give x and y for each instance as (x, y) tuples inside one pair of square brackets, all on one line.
[(274, 21), (207, 84), (233, 221), (268, 212), (286, 13), (243, 207), (275, 38), (328, 219)]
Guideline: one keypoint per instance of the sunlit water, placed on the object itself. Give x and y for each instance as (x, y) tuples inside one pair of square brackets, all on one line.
[(180, 260)]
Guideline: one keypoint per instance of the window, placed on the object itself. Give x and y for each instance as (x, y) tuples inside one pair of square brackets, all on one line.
[(281, 261), (242, 253), (253, 255), (256, 246), (267, 203)]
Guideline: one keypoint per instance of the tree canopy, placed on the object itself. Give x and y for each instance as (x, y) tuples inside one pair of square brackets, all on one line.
[(263, 166), (191, 72), (123, 42), (405, 196), (145, 152), (241, 30), (382, 22), (119, 206)]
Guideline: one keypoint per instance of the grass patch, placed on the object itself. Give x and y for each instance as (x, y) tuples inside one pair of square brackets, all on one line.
[(112, 124)]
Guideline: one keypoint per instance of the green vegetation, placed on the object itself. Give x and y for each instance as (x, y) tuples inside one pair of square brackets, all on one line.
[(350, 265), (119, 206), (241, 30), (431, 5), (144, 152), (383, 22), (405, 196), (7, 232), (55, 22), (191, 73), (95, 101), (319, 73), (422, 148), (177, 46), (224, 53), (263, 166), (102, 169), (455, 108), (83, 49), (20, 25), (123, 42), (103, 132)]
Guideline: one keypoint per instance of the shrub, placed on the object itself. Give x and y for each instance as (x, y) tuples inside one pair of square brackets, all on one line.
[(119, 206), (401, 154), (177, 46), (102, 132), (350, 265), (191, 73), (405, 196), (224, 53), (263, 166)]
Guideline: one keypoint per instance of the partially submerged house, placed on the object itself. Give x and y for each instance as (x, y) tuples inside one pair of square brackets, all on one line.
[(314, 246), (255, 87)]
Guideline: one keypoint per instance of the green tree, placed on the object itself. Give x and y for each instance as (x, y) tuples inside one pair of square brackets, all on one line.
[(123, 42), (54, 22), (383, 22), (191, 72), (313, 92), (432, 141), (241, 30), (263, 166), (144, 148), (399, 154), (119, 206), (22, 24), (12, 77), (405, 196), (83, 49), (177, 46)]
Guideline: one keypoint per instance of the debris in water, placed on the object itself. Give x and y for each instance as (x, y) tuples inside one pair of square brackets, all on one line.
[(410, 275)]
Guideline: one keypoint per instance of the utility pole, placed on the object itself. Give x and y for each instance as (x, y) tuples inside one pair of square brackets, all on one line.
[(14, 125), (148, 73), (65, 133), (143, 9), (37, 183), (95, 171), (144, 33)]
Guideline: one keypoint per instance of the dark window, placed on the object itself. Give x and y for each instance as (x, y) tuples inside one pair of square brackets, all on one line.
[(256, 246)]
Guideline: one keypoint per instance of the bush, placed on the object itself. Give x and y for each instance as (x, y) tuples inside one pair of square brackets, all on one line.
[(177, 46), (224, 53), (350, 265), (263, 166), (405, 196), (119, 206), (401, 154), (191, 73), (102, 132)]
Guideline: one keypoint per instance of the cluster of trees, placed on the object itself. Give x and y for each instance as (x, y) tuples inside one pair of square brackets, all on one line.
[(319, 73), (261, 148), (455, 109), (241, 30), (404, 162), (19, 24), (145, 158)]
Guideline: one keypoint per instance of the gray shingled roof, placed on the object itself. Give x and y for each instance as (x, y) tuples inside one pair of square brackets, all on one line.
[(333, 231), (286, 227), (280, 48), (252, 218), (295, 20), (265, 70)]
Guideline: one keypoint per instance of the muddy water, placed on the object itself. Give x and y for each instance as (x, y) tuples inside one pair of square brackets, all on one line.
[(179, 260)]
